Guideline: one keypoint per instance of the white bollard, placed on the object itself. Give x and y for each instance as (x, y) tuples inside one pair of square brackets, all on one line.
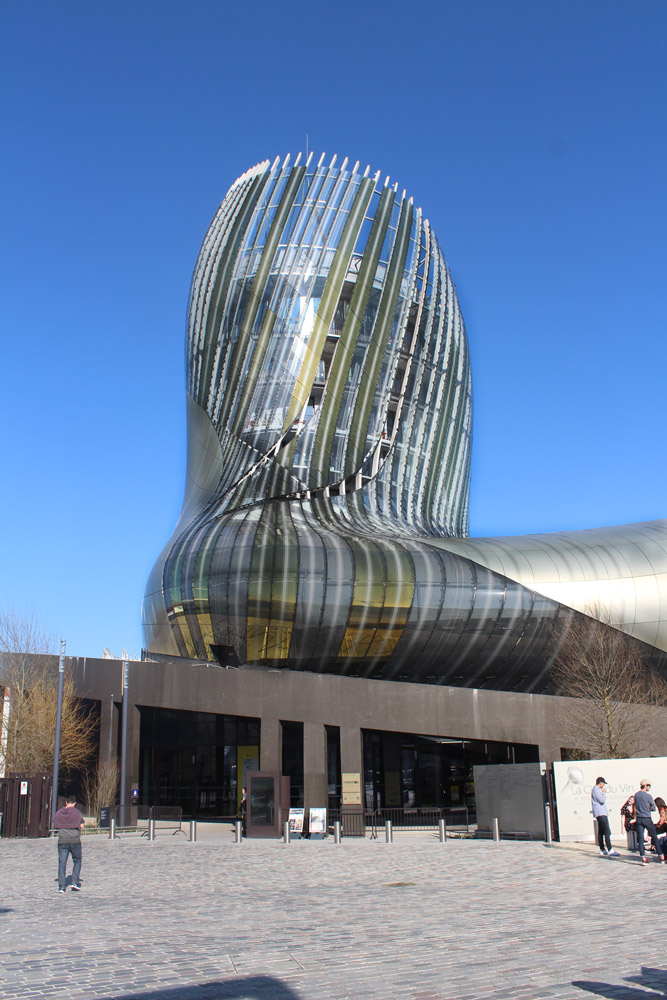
[(286, 831), (389, 837), (495, 829), (547, 821), (442, 831), (238, 832), (193, 830), (337, 831)]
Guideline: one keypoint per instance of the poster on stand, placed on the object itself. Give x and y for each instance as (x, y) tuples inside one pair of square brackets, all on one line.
[(296, 822), (317, 822)]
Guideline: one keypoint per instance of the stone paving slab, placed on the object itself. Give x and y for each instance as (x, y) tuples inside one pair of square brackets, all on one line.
[(414, 920)]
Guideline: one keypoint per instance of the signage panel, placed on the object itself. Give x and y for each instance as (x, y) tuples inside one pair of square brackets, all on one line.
[(317, 822), (296, 821), (351, 788), (575, 779)]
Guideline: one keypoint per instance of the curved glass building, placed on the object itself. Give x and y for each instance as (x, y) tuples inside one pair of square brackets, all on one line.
[(325, 519)]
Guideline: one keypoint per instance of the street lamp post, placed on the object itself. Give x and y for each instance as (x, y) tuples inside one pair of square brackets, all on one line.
[(123, 743), (59, 717)]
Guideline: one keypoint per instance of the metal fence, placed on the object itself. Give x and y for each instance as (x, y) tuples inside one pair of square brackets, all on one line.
[(360, 822), (353, 823), (214, 803), (164, 817), (426, 818), (25, 805)]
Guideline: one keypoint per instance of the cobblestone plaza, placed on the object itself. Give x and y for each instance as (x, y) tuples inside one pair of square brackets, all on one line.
[(416, 919)]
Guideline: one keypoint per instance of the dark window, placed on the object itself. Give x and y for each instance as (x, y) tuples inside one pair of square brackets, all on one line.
[(195, 760)]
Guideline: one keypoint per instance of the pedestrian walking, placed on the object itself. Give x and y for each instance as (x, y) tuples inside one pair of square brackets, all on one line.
[(244, 812), (600, 814), (644, 806), (68, 821)]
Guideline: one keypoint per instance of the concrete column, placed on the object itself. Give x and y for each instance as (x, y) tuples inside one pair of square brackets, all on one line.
[(549, 751), (315, 783), (351, 749), (109, 716), (133, 732), (270, 745), (352, 763), (132, 771)]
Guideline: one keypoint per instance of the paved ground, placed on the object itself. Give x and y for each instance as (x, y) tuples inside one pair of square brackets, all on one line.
[(414, 920)]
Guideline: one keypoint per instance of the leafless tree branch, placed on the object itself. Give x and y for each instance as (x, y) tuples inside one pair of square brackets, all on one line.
[(29, 678), (612, 689)]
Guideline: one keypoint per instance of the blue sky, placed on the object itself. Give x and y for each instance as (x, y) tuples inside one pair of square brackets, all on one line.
[(534, 136)]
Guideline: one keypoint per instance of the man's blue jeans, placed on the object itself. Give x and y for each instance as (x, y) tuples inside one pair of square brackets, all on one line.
[(644, 823), (63, 851)]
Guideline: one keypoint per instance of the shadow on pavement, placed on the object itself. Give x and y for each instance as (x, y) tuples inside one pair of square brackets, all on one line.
[(246, 988), (619, 859), (651, 985)]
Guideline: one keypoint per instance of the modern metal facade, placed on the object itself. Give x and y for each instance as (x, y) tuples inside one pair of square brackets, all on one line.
[(325, 518)]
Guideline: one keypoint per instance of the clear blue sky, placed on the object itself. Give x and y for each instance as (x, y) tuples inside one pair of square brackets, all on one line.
[(534, 136)]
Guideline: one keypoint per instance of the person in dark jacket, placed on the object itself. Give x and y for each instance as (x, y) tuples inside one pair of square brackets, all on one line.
[(244, 811), (644, 806), (68, 821), (629, 820), (661, 823)]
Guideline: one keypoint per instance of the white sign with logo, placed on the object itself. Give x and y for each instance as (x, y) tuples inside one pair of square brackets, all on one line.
[(574, 781), (24, 788)]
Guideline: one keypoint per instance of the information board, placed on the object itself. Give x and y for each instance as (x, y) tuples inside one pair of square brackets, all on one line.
[(351, 783), (296, 821), (317, 822)]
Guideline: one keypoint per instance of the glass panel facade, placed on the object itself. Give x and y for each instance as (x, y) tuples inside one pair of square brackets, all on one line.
[(263, 801), (292, 735), (402, 769), (195, 760), (325, 520)]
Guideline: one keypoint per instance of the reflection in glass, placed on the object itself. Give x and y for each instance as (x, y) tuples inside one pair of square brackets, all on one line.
[(325, 521), (262, 802)]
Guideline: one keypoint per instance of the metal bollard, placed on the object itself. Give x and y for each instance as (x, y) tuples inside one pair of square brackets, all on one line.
[(547, 821), (389, 837), (112, 829), (337, 831), (442, 831), (193, 830), (238, 832), (495, 829), (286, 837), (151, 829)]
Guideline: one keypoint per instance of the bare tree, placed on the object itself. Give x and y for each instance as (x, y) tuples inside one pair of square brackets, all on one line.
[(100, 787), (611, 688), (29, 678)]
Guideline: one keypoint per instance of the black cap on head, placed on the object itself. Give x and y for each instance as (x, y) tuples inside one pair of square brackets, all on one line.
[(600, 781)]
